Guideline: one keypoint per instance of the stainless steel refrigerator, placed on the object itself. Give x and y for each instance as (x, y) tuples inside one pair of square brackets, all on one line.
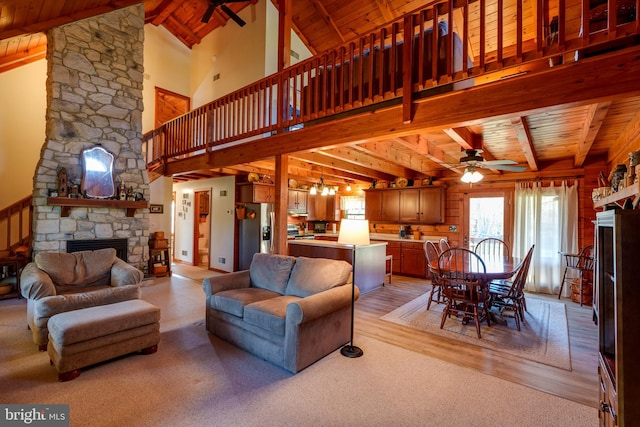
[(255, 234)]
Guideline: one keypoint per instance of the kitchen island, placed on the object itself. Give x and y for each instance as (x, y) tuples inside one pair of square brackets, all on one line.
[(370, 267)]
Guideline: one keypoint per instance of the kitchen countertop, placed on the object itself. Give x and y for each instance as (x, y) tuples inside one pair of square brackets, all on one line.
[(388, 237), (328, 243)]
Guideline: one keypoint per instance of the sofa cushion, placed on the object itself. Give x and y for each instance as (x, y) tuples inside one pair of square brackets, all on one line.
[(84, 268), (312, 275), (233, 301), (268, 271), (269, 314)]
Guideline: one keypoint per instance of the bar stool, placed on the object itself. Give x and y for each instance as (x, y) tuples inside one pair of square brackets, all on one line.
[(389, 272)]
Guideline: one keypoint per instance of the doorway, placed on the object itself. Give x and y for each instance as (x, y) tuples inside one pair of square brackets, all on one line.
[(202, 228), (487, 214)]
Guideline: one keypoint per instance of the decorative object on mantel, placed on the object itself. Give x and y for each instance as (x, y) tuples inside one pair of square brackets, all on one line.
[(62, 183)]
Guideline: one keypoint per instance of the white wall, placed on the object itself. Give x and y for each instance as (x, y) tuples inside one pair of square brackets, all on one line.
[(222, 219), (22, 128), (161, 194), (167, 65), (239, 53)]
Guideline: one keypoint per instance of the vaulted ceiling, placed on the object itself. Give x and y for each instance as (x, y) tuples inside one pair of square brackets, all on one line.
[(563, 136)]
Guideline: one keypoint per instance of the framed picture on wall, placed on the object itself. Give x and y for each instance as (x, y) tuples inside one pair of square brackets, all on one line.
[(156, 209)]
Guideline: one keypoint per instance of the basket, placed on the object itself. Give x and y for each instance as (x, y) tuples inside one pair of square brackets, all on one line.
[(587, 292), (158, 235), (159, 269), (159, 243)]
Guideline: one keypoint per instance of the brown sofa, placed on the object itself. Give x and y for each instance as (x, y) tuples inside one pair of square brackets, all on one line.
[(59, 282), (289, 311)]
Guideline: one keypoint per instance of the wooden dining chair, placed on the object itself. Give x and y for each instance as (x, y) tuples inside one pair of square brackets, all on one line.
[(492, 248), (431, 253), (580, 265), (460, 274), (507, 297), (444, 245)]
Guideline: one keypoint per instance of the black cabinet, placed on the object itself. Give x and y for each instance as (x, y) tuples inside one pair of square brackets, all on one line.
[(618, 295)]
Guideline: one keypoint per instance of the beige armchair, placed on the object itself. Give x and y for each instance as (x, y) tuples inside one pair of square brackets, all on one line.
[(58, 282)]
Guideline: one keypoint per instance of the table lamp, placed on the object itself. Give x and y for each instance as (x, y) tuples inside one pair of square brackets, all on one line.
[(353, 232)]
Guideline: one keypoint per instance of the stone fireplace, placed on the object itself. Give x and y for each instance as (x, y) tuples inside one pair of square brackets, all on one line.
[(94, 97)]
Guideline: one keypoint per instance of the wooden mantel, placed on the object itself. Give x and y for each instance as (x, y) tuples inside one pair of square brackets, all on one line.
[(68, 203)]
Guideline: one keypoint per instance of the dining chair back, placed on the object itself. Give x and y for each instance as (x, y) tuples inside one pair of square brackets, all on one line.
[(508, 298), (444, 245), (460, 273), (492, 248), (431, 253)]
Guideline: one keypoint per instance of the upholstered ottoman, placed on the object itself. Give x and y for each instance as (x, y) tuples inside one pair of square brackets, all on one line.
[(88, 336)]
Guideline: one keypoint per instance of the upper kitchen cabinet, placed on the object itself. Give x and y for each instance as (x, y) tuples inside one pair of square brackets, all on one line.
[(322, 208), (257, 193), (420, 205), (298, 201), (382, 205)]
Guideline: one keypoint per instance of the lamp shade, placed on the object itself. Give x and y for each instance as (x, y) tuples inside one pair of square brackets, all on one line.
[(471, 175), (354, 232)]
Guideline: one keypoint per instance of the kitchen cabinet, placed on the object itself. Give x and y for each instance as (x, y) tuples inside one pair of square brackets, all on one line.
[(617, 272), (297, 201), (422, 205), (382, 205), (322, 208), (257, 193), (419, 205), (408, 258)]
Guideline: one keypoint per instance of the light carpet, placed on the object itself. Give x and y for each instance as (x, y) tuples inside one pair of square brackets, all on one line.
[(196, 379), (543, 338)]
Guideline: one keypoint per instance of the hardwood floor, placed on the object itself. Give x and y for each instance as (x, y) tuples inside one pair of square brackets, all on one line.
[(579, 385)]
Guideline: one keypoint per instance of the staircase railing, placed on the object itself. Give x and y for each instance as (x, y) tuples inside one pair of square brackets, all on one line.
[(493, 39), (15, 226)]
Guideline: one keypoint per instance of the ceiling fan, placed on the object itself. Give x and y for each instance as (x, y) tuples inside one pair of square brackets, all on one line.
[(230, 13), (474, 159)]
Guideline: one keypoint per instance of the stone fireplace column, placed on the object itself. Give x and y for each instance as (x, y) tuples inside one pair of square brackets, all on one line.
[(94, 97)]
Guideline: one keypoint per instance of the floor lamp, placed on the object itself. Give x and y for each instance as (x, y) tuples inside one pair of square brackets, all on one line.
[(353, 232)]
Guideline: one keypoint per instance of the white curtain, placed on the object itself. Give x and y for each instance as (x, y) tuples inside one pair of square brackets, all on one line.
[(548, 218)]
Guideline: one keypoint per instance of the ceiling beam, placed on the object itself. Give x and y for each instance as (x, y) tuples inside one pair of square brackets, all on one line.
[(405, 158), (526, 143), (422, 146), (166, 8), (364, 172), (385, 10), (360, 158), (592, 125), (66, 19), (327, 18)]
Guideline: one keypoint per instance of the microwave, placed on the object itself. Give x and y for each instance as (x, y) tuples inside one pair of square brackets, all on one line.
[(319, 227)]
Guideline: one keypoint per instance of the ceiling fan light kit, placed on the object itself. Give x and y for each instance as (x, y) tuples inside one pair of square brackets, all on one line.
[(471, 175)]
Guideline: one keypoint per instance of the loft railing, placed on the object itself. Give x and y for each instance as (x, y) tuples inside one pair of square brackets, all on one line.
[(15, 226), (486, 46)]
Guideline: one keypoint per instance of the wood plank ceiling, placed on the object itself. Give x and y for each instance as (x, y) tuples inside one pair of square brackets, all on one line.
[(562, 137)]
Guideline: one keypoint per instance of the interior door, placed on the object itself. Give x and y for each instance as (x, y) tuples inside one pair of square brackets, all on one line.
[(487, 214)]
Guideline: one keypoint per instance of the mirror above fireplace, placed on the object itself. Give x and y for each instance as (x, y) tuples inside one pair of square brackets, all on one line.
[(97, 173)]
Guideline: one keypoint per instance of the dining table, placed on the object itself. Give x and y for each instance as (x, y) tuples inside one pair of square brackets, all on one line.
[(497, 268)]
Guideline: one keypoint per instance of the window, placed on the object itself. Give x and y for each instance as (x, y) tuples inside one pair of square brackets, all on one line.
[(352, 206)]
